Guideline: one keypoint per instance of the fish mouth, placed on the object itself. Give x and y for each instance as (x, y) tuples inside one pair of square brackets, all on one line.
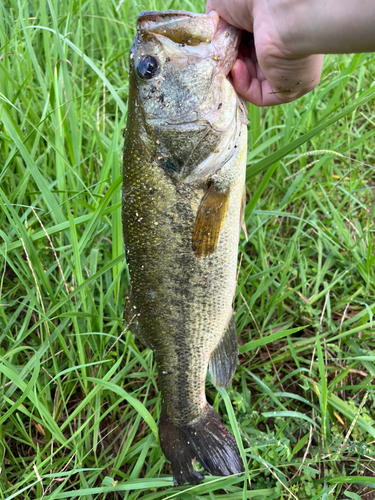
[(188, 29), (180, 26)]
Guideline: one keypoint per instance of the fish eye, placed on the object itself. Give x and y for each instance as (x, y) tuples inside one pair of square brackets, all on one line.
[(147, 67)]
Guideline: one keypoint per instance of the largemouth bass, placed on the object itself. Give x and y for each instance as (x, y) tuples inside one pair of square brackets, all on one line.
[(183, 200)]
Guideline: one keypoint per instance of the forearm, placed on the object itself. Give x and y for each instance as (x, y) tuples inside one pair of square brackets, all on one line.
[(324, 26)]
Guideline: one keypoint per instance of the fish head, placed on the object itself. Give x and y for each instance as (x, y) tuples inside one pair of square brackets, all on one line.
[(179, 93)]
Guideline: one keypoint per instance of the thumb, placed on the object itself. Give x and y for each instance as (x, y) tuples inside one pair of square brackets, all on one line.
[(209, 6), (273, 80)]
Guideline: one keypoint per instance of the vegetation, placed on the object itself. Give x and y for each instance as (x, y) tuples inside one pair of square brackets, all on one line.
[(79, 402)]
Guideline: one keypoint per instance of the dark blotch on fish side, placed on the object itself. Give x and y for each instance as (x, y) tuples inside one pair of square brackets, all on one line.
[(176, 166)]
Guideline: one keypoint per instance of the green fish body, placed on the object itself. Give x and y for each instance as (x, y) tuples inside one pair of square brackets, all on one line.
[(183, 200)]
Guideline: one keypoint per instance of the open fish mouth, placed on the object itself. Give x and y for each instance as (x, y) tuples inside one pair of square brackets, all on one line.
[(179, 26), (190, 30)]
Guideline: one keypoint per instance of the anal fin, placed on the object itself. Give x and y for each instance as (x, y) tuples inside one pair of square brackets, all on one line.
[(224, 358), (209, 221)]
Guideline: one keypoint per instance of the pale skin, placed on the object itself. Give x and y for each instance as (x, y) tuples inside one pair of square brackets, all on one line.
[(284, 61)]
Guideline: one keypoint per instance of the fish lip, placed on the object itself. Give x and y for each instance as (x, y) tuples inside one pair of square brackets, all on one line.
[(174, 24), (161, 17), (153, 20), (153, 15)]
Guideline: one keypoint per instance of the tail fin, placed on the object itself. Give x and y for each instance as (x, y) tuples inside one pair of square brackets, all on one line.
[(205, 439)]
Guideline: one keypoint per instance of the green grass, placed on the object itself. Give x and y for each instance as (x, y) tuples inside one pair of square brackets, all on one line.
[(79, 402)]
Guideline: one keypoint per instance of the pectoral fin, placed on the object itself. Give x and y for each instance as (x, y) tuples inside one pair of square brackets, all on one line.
[(223, 361), (209, 221)]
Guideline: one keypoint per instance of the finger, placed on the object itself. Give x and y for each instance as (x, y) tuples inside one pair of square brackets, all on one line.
[(236, 12), (279, 81), (251, 88), (209, 6), (259, 73), (249, 67)]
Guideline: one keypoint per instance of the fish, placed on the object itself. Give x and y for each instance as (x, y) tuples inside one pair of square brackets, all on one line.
[(183, 202)]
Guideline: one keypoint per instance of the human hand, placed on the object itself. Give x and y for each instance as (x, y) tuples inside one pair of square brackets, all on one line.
[(267, 71)]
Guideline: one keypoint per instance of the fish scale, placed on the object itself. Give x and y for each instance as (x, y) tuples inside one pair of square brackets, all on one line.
[(183, 186)]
